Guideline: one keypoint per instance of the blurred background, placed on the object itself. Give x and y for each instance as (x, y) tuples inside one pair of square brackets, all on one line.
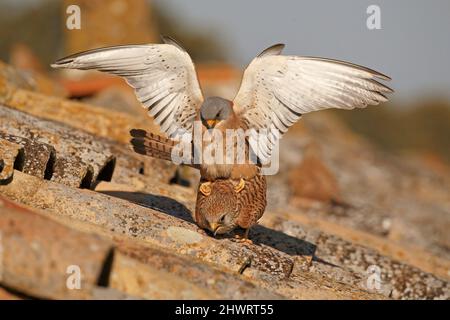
[(412, 47), (354, 188)]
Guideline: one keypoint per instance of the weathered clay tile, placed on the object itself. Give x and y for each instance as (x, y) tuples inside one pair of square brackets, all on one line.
[(9, 152), (76, 157), (37, 157), (134, 234), (262, 264), (39, 255), (95, 120)]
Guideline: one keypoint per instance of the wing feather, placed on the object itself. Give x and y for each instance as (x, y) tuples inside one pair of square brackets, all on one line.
[(276, 90), (162, 75)]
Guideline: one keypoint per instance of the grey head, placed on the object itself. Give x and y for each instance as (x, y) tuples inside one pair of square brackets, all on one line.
[(214, 110)]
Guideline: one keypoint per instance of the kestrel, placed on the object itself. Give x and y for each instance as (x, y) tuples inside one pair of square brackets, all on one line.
[(275, 91)]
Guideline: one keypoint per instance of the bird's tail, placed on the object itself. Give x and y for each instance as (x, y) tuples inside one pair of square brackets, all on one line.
[(152, 145)]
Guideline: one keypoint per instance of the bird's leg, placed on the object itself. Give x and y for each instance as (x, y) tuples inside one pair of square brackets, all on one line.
[(244, 238)]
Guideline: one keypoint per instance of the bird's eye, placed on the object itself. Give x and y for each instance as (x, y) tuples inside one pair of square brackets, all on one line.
[(222, 218)]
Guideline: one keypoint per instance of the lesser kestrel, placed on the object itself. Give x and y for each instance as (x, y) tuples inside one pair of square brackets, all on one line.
[(275, 91)]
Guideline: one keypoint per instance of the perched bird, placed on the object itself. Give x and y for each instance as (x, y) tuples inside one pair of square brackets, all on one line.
[(275, 91), (224, 204)]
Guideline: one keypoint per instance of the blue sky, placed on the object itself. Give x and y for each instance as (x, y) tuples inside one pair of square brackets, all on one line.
[(413, 46)]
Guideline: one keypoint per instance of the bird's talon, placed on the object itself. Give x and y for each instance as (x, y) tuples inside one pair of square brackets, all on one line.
[(205, 188), (240, 186), (245, 240)]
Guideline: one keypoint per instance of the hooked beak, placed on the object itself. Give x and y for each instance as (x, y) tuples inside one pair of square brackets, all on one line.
[(211, 123), (214, 227)]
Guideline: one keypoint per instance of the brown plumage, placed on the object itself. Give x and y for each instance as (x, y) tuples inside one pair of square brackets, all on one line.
[(275, 91), (221, 205), (152, 145), (230, 197), (211, 172)]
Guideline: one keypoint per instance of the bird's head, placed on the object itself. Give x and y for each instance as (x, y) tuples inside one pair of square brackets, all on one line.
[(215, 110), (218, 205)]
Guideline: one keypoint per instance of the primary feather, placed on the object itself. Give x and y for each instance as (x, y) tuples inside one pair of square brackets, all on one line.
[(162, 75), (276, 90)]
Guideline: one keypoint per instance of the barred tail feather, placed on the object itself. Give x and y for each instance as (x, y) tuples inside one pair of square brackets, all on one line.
[(152, 145)]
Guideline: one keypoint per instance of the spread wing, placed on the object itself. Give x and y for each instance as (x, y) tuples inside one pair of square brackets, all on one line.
[(276, 90), (163, 76)]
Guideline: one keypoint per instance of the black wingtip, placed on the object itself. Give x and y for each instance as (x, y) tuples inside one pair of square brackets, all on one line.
[(172, 41), (378, 74), (274, 50), (60, 63), (375, 73)]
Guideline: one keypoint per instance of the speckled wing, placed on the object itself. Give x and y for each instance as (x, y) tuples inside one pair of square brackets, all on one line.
[(163, 76), (276, 90)]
